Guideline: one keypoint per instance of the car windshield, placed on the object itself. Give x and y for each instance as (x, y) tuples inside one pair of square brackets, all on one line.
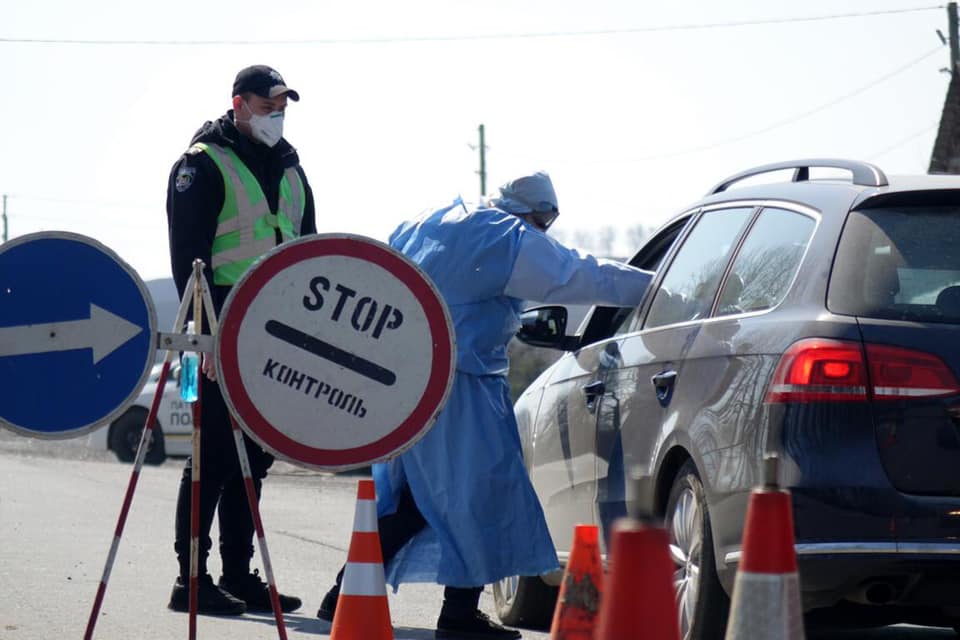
[(899, 263)]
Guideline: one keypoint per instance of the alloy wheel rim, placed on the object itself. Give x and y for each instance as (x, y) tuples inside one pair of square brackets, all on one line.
[(686, 542), (133, 442)]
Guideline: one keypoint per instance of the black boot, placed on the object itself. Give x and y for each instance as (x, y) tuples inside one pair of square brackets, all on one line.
[(256, 593), (211, 600), (473, 626), (328, 607)]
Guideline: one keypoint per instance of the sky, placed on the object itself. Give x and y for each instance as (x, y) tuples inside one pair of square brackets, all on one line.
[(636, 108)]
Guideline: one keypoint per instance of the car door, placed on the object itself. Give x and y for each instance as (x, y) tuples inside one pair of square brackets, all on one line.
[(562, 465), (640, 407), (563, 469), (613, 388), (726, 370)]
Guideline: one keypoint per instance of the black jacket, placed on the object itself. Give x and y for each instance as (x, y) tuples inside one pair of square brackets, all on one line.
[(195, 195)]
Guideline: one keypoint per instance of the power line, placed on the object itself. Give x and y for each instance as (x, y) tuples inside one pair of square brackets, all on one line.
[(691, 150), (902, 141), (780, 123), (25, 215), (70, 222), (463, 38), (89, 203)]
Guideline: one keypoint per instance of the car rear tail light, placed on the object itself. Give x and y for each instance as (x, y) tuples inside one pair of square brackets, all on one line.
[(903, 373), (823, 370), (820, 370)]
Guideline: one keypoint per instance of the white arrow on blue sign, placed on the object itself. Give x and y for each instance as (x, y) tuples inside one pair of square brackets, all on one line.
[(77, 331)]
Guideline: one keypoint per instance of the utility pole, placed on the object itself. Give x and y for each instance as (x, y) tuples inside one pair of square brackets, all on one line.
[(483, 161), (4, 217), (954, 43), (945, 157)]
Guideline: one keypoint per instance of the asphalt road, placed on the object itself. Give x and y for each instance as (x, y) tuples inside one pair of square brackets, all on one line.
[(59, 504)]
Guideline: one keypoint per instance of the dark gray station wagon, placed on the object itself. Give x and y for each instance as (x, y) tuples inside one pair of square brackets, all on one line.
[(817, 318)]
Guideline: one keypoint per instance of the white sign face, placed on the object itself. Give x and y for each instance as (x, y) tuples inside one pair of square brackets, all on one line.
[(335, 351)]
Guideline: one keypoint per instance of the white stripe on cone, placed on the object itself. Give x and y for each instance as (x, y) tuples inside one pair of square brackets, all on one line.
[(363, 579), (765, 607), (365, 516)]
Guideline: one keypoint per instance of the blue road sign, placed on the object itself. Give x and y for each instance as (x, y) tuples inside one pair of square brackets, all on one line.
[(77, 331)]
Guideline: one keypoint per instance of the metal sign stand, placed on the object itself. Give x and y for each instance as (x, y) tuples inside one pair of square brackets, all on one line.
[(201, 303), (247, 481), (174, 342)]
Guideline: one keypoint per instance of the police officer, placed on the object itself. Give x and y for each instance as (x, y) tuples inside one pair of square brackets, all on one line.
[(236, 193)]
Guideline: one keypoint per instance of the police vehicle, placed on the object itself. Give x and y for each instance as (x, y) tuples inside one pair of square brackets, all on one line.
[(171, 432)]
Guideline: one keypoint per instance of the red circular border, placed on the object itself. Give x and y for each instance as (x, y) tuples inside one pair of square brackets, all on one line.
[(248, 414)]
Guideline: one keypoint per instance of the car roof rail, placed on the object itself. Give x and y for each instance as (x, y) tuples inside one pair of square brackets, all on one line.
[(864, 173)]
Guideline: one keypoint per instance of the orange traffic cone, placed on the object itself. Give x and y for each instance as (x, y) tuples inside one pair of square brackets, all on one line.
[(639, 600), (766, 593), (363, 612), (579, 598)]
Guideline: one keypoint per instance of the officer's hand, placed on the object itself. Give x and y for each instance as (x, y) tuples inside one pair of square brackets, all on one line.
[(208, 367)]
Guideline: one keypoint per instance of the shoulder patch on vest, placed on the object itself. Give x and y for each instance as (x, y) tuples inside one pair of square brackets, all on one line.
[(185, 178)]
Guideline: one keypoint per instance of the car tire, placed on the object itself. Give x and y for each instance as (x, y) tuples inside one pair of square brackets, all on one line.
[(525, 601), (125, 436), (703, 603)]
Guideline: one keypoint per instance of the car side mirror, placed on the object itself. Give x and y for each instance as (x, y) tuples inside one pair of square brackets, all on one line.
[(546, 327)]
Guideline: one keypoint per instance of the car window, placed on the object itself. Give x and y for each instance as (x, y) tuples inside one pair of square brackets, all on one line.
[(625, 320), (900, 263), (688, 288), (608, 321), (766, 263)]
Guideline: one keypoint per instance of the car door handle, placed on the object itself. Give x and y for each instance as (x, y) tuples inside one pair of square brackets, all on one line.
[(664, 380), (594, 389), (663, 385)]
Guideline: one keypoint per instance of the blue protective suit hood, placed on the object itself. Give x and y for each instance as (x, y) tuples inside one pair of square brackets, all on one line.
[(526, 194)]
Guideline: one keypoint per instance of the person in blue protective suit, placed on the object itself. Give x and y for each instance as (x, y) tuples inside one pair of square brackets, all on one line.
[(458, 508)]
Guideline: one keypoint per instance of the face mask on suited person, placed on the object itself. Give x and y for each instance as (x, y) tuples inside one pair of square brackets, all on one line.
[(268, 128)]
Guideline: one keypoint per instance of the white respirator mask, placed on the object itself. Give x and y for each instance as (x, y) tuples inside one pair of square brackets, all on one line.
[(267, 129)]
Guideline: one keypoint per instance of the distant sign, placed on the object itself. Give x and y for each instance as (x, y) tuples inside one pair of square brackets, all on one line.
[(335, 351), (77, 327)]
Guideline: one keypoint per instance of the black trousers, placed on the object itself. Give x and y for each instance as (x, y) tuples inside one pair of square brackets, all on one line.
[(396, 530), (222, 490)]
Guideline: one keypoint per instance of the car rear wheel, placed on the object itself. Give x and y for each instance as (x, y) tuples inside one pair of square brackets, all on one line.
[(125, 438), (525, 601), (701, 600)]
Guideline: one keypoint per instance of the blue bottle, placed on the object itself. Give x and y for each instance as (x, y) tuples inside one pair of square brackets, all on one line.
[(189, 371)]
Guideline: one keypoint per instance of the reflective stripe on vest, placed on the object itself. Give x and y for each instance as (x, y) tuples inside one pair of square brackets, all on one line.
[(246, 229)]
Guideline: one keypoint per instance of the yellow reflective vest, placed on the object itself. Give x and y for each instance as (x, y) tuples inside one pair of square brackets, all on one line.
[(246, 228)]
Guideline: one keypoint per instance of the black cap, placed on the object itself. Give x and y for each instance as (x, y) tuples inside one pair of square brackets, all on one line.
[(263, 81)]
